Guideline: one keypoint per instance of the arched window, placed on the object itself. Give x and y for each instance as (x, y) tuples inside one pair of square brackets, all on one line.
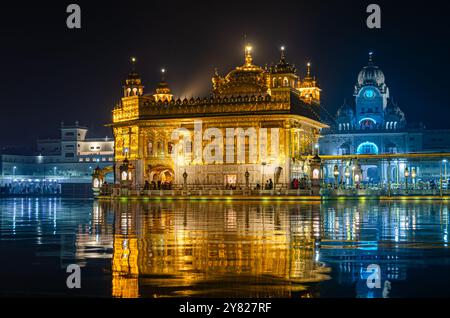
[(367, 123), (340, 126), (274, 82), (285, 82), (367, 148), (150, 148), (344, 149)]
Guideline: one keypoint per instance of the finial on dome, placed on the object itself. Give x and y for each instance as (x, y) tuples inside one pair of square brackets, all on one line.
[(370, 58), (248, 55), (133, 63), (282, 49), (308, 69), (163, 72)]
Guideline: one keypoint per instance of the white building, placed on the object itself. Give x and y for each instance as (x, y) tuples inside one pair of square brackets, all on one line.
[(67, 160)]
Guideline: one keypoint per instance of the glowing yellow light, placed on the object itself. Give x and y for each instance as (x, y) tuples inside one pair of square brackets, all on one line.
[(133, 59), (248, 48), (282, 48), (163, 70), (309, 64)]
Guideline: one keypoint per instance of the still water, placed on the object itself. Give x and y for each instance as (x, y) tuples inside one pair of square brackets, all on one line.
[(223, 249)]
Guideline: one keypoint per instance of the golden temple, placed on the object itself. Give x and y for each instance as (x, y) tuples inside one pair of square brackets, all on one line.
[(270, 102)]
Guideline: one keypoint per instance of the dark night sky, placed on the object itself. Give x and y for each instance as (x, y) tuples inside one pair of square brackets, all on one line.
[(51, 74)]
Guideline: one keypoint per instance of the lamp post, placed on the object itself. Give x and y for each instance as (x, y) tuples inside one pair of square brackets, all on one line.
[(440, 180), (347, 175), (14, 171), (263, 164), (185, 175), (247, 176), (413, 176), (389, 177), (406, 179), (353, 176), (336, 175), (445, 170)]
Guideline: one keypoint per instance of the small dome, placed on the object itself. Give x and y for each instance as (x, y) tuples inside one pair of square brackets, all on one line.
[(133, 79), (394, 113), (163, 88), (371, 74), (345, 111), (283, 67)]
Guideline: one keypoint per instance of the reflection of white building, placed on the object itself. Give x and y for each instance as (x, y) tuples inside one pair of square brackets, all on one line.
[(69, 159), (376, 125)]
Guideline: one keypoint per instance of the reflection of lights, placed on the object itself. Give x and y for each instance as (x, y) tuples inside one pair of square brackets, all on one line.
[(317, 256)]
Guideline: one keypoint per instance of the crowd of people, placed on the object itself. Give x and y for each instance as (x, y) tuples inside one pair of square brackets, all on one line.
[(267, 186), (9, 189), (157, 185)]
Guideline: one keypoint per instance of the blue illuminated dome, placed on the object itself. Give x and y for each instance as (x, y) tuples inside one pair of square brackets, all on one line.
[(371, 74)]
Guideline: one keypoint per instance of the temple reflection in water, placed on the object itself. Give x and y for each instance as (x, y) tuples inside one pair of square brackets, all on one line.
[(255, 249), (264, 250), (189, 249)]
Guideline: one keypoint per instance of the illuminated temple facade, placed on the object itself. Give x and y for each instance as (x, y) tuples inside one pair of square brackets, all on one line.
[(375, 125), (272, 102)]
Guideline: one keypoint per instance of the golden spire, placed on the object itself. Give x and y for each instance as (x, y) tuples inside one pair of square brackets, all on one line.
[(133, 63), (248, 55), (282, 52), (163, 92), (308, 69)]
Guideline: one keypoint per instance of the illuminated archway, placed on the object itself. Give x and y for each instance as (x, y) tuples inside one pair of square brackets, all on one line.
[(367, 148), (367, 123)]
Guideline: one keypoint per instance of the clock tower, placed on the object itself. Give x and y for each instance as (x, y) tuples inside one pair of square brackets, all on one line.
[(371, 97)]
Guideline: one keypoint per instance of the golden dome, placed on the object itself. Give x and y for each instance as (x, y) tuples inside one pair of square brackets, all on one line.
[(163, 92), (248, 79)]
